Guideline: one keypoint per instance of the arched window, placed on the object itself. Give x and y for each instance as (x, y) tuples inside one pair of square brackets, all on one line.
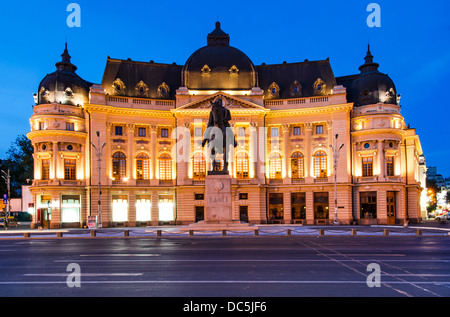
[(119, 165), (297, 165), (199, 166), (320, 164), (275, 166), (142, 167), (242, 165), (165, 167)]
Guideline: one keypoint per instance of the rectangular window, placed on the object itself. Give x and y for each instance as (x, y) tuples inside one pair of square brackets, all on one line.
[(69, 126), (198, 131), (41, 125), (141, 132), (164, 133), (297, 131), (368, 205), (274, 131), (243, 196), (166, 208), (70, 208), (143, 208), (241, 131), (389, 166), (367, 166), (320, 205), (319, 129), (45, 174), (298, 205), (275, 206), (70, 169), (119, 208), (118, 130), (199, 196)]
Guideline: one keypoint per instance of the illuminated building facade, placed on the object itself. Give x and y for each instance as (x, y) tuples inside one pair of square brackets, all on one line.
[(286, 116)]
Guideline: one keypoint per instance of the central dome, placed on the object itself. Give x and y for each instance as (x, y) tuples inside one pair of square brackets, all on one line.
[(218, 66)]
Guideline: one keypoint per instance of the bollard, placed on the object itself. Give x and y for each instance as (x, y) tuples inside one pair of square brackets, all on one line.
[(385, 232), (321, 232), (158, 233), (93, 233), (26, 235), (126, 233), (419, 232), (191, 232), (288, 232), (59, 234), (353, 232), (256, 232), (224, 232)]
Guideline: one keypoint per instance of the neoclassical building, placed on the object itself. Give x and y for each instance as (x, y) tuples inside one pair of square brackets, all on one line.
[(138, 135)]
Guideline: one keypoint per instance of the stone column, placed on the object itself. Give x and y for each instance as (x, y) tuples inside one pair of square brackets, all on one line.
[(381, 160), (253, 149), (308, 159), (55, 160), (153, 131), (286, 155), (107, 154), (131, 160), (155, 208)]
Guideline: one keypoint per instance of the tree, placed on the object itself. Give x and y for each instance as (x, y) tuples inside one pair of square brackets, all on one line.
[(19, 161)]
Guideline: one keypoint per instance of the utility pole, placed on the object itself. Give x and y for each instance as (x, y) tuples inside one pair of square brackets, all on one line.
[(99, 149), (335, 156), (6, 176)]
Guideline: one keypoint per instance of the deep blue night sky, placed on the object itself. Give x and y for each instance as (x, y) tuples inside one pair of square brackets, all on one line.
[(412, 46)]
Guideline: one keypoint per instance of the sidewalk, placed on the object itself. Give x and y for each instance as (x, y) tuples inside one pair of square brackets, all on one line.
[(423, 229)]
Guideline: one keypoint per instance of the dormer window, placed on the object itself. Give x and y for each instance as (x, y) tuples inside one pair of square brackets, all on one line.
[(296, 89), (206, 70), (141, 88), (274, 90), (234, 71), (68, 92), (118, 86), (163, 90), (319, 86)]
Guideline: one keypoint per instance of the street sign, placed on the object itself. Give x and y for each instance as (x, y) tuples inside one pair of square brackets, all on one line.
[(92, 222)]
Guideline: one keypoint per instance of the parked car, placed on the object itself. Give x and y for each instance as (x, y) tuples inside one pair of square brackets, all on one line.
[(442, 216)]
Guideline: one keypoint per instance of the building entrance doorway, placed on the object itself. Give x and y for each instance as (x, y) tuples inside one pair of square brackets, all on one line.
[(44, 218), (199, 213), (391, 210)]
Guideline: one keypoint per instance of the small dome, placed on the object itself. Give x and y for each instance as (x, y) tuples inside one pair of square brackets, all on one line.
[(219, 66), (64, 85), (371, 86)]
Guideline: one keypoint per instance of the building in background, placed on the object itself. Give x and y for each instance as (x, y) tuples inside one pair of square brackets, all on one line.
[(286, 118)]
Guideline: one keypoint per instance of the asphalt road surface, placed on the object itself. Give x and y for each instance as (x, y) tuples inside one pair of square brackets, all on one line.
[(250, 267)]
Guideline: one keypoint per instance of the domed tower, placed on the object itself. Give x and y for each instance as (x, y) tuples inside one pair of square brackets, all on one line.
[(385, 151), (219, 66), (58, 135)]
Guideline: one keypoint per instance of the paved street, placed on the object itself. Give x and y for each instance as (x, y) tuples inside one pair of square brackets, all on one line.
[(226, 266)]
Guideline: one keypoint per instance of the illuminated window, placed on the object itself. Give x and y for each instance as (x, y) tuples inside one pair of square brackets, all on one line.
[(275, 166), (199, 166), (166, 208), (320, 164), (70, 208), (69, 126), (198, 131), (119, 208), (367, 166), (70, 169), (143, 208), (274, 132), (45, 172), (297, 165), (242, 165), (142, 164), (390, 166), (241, 131), (165, 167), (119, 165), (41, 125)]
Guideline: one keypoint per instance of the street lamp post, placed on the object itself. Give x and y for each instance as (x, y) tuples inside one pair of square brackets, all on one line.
[(99, 149), (7, 177), (335, 157)]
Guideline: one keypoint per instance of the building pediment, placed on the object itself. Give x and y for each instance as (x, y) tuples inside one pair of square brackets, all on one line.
[(230, 102)]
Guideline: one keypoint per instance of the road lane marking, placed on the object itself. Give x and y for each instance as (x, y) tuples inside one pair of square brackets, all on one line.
[(83, 274)]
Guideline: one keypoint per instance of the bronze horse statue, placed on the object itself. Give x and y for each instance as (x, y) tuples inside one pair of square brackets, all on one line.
[(219, 134)]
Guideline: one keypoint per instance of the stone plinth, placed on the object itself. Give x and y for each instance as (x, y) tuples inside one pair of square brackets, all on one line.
[(219, 206)]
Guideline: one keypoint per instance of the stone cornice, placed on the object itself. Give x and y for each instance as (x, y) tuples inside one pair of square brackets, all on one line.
[(311, 111), (128, 111)]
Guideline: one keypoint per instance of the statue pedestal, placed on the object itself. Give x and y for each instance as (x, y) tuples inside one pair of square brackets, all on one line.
[(219, 205)]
